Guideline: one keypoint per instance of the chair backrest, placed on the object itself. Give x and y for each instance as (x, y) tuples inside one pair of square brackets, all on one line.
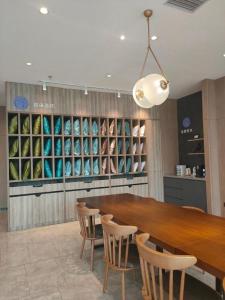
[(194, 208), (86, 217), (151, 260), (117, 240)]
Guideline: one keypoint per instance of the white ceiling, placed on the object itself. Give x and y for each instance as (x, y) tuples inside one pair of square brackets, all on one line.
[(78, 42)]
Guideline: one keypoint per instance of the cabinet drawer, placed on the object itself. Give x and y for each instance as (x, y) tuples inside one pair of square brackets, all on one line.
[(31, 189)]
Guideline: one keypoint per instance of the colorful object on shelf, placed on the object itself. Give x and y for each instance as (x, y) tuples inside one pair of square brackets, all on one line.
[(87, 167), (86, 149), (46, 125), (37, 125), (77, 167), (26, 125), (119, 146), (13, 171), (128, 165), (67, 127), (68, 168), (112, 166), (67, 146), (127, 145), (58, 126), (94, 127), (77, 147), (135, 130), (111, 127), (96, 166), (59, 168), (121, 164), (142, 130), (104, 165), (112, 146), (37, 147), (95, 146), (127, 128), (26, 147), (37, 169), (58, 147), (103, 128), (14, 148), (76, 127), (47, 169), (119, 127), (13, 125), (26, 170), (135, 167), (142, 166), (47, 147), (104, 147), (85, 126), (134, 149)]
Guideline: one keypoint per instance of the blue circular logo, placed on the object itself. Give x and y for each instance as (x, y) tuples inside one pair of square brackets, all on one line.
[(186, 122), (21, 102)]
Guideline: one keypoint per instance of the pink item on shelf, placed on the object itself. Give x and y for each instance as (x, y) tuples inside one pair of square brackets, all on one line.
[(134, 148), (135, 130), (104, 146), (104, 165), (103, 128), (111, 127), (113, 170), (112, 146)]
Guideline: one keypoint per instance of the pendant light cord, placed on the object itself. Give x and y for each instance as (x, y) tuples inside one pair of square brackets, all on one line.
[(149, 49)]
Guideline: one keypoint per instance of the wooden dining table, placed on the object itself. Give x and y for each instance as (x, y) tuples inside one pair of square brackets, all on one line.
[(176, 229)]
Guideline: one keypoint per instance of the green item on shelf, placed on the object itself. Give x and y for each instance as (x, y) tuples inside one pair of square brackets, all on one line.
[(87, 167), (77, 148), (47, 147), (121, 164), (26, 170), (37, 125), (85, 126), (14, 148), (86, 146), (58, 126), (128, 165), (96, 166), (127, 128), (46, 125), (13, 125), (59, 167), (67, 127), (26, 125), (67, 146), (68, 168), (77, 167), (119, 127), (94, 127), (37, 169), (58, 147), (127, 145), (48, 169), (119, 146), (76, 127), (26, 147), (37, 147), (13, 171), (95, 146)]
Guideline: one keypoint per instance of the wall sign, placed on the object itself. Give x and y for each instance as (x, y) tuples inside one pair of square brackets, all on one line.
[(186, 122), (21, 102), (43, 105)]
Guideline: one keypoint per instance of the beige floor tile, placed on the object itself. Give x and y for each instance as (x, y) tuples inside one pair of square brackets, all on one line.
[(52, 296), (16, 256), (42, 251), (14, 274), (42, 267)]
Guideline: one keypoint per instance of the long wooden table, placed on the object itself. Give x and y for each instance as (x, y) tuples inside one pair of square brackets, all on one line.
[(176, 229)]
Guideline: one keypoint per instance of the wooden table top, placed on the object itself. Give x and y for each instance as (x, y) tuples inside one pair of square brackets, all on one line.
[(174, 228)]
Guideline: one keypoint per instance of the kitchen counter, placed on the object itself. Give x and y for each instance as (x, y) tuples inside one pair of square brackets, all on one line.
[(186, 177)]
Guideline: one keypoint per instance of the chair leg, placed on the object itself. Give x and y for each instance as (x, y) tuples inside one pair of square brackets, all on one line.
[(123, 285), (106, 277), (82, 248), (92, 253)]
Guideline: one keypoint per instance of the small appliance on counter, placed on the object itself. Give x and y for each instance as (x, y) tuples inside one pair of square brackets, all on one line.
[(180, 170)]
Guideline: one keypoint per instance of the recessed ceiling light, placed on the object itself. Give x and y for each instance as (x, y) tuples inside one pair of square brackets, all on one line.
[(108, 75), (224, 55), (28, 63), (122, 37), (44, 10), (154, 38)]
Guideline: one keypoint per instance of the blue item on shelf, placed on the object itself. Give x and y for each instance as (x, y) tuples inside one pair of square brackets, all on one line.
[(77, 147), (67, 146), (96, 166), (119, 127), (77, 167), (68, 168), (86, 149), (119, 146), (47, 147), (76, 127), (127, 145), (121, 164), (94, 127), (67, 127), (58, 126), (59, 167), (85, 126), (48, 169), (87, 167), (46, 125), (95, 146), (58, 147), (128, 164), (127, 128)]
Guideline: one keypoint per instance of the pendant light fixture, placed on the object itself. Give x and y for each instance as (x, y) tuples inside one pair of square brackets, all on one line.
[(152, 89)]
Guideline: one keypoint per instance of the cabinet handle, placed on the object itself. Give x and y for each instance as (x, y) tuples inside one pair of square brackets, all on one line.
[(88, 190), (38, 195), (130, 185)]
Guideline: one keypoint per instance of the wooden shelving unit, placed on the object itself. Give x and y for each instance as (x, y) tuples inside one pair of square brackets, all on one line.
[(107, 146)]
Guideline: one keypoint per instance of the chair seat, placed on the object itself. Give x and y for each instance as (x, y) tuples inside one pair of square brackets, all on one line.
[(98, 234)]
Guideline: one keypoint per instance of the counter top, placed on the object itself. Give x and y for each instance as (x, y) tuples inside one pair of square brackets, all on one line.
[(186, 177)]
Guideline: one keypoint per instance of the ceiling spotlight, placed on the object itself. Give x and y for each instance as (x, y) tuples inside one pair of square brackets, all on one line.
[(118, 95), (28, 63), (122, 37), (86, 92), (108, 75), (154, 38), (44, 10), (44, 86), (224, 55)]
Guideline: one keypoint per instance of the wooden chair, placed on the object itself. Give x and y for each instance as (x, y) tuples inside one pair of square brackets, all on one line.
[(117, 240), (89, 230), (151, 259), (194, 208)]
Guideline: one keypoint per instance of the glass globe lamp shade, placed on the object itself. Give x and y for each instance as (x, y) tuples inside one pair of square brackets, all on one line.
[(151, 90)]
